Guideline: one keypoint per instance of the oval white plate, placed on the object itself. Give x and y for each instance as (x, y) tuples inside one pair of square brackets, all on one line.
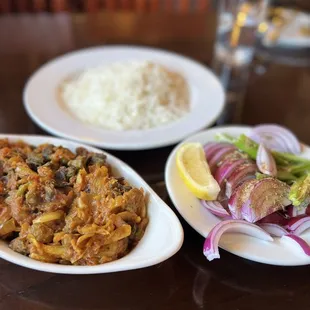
[(40, 98), (278, 252), (163, 236)]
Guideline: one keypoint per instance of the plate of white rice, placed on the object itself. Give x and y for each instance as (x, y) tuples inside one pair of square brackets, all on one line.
[(123, 97)]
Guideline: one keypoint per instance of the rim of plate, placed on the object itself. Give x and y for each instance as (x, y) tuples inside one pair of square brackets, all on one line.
[(260, 253), (141, 256), (41, 87)]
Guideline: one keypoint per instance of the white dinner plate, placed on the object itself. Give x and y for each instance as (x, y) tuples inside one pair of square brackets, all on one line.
[(163, 236), (278, 252), (40, 98)]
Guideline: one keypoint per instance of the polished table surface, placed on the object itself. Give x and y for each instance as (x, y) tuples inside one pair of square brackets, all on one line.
[(187, 280)]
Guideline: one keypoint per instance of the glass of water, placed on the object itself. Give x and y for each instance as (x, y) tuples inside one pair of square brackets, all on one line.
[(240, 22)]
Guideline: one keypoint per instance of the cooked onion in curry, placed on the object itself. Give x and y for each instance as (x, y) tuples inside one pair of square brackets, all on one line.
[(66, 208)]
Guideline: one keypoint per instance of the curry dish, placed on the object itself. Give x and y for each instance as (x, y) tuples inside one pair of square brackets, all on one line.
[(66, 208)]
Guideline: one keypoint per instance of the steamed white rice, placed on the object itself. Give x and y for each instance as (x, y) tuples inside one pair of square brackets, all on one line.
[(124, 96)]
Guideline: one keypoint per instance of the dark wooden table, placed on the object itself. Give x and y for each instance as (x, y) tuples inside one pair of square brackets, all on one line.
[(187, 280)]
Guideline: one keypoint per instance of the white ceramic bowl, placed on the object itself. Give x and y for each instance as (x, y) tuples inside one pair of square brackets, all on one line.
[(42, 104), (163, 236)]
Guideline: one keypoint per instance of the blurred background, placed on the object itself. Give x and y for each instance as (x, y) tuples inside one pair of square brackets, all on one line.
[(128, 5), (260, 50), (242, 41)]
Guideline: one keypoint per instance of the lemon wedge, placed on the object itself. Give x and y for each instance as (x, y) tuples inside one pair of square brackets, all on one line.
[(195, 172)]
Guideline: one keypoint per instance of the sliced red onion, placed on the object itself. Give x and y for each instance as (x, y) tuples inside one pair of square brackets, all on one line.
[(226, 169), (241, 174), (293, 211), (270, 140), (293, 223), (241, 195), (298, 241), (268, 195), (210, 248), (302, 228), (208, 146), (224, 203), (276, 138), (275, 218), (219, 156), (215, 207), (274, 229), (265, 161), (212, 148), (299, 224), (304, 205)]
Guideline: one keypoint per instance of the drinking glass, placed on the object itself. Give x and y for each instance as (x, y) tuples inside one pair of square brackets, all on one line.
[(240, 23)]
